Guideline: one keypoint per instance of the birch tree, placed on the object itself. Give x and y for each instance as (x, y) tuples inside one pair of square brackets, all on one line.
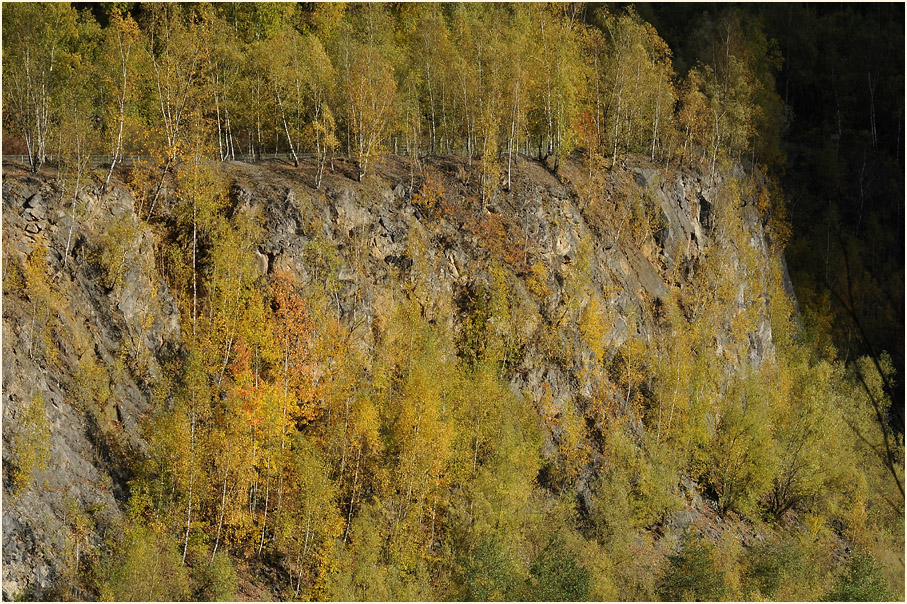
[(175, 45), (36, 39), (372, 93), (122, 39), (320, 85)]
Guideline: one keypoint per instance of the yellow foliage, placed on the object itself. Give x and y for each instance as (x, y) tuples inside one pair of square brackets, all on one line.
[(45, 304), (14, 281), (430, 197), (537, 281), (92, 385), (30, 442), (595, 325), (117, 242)]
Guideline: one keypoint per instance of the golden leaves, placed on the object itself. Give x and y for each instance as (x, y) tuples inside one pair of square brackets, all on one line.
[(430, 197)]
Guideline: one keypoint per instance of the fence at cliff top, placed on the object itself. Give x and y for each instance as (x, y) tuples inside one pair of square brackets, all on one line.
[(102, 160)]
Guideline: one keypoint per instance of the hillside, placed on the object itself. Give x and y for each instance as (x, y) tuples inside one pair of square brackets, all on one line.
[(608, 326), (452, 301)]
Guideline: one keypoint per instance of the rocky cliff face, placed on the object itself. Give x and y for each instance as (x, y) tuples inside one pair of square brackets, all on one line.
[(65, 332), (85, 326)]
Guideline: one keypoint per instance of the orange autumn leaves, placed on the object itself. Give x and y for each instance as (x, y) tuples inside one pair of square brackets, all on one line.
[(288, 394)]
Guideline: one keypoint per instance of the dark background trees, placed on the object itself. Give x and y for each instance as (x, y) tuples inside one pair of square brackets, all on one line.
[(842, 84)]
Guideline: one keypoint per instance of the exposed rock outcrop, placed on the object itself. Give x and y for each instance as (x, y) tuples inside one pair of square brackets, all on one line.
[(70, 341), (112, 320)]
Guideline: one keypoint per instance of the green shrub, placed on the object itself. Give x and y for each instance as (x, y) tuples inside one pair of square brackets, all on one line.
[(692, 575), (862, 580), (216, 582), (489, 574), (147, 567), (782, 570), (557, 576), (741, 457), (632, 492)]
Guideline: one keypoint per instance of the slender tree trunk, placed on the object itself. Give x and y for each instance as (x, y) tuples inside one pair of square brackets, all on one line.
[(686, 141), (319, 154), (220, 136), (194, 267), (75, 198), (617, 118), (258, 115), (657, 115), (346, 423), (716, 143), (124, 58), (305, 548), (513, 120), (349, 516), (32, 158), (220, 520), (227, 353), (286, 129), (264, 523), (191, 479), (230, 141), (431, 100), (160, 185)]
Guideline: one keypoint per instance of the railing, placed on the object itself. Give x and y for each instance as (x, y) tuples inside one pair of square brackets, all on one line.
[(105, 160)]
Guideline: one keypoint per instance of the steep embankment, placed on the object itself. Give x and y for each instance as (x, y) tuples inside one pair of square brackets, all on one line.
[(556, 278), (66, 332)]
